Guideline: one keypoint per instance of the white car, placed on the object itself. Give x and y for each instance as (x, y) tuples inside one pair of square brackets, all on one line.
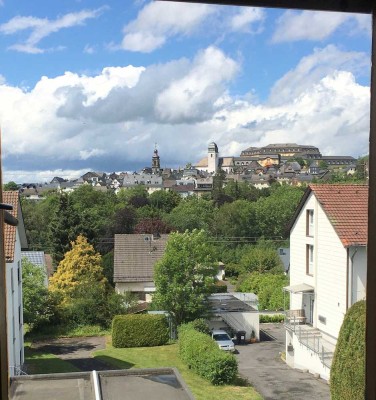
[(223, 340)]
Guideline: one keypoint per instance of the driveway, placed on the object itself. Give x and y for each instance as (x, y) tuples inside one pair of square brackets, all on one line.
[(261, 364), (78, 351)]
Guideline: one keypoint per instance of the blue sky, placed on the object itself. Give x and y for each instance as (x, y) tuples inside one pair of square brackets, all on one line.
[(93, 85)]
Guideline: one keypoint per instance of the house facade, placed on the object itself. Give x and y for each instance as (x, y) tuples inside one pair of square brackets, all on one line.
[(135, 256), (328, 245), (14, 240)]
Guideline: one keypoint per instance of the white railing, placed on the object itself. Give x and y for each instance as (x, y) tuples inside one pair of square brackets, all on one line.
[(312, 339)]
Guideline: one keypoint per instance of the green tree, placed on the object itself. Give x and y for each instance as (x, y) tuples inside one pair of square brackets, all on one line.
[(268, 287), (10, 186), (273, 213), (323, 164), (164, 201), (261, 258), (190, 214), (347, 374), (235, 220), (63, 228), (37, 307), (184, 277)]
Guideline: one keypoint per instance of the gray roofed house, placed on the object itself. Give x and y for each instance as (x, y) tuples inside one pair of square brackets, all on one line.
[(37, 258), (135, 256)]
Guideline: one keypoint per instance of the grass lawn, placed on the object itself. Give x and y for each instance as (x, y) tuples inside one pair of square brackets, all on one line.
[(167, 356), (45, 363), (59, 331)]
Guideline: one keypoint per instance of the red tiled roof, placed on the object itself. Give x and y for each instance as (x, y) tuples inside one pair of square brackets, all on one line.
[(346, 206), (10, 231)]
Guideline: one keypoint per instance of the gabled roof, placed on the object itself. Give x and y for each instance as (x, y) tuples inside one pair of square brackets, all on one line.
[(135, 256), (12, 198), (346, 207)]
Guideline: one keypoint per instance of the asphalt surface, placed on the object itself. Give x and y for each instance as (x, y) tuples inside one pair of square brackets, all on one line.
[(77, 351), (261, 364)]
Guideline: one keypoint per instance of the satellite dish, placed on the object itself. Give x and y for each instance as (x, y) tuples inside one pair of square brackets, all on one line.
[(146, 238)]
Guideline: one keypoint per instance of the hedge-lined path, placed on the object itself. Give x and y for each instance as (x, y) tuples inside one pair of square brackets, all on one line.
[(77, 351), (261, 364)]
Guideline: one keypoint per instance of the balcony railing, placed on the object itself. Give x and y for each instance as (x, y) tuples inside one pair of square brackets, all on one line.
[(308, 336)]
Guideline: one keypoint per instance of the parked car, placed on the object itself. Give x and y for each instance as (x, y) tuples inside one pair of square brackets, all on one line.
[(223, 340)]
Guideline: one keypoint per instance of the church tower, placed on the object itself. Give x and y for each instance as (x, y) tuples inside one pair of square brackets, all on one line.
[(155, 162), (212, 158)]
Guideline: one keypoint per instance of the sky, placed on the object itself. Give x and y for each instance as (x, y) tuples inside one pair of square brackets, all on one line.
[(96, 85)]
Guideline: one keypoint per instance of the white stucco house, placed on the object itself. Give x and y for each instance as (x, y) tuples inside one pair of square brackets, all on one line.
[(14, 241), (328, 257)]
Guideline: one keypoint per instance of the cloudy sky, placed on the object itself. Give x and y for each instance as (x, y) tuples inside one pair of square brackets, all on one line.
[(90, 85)]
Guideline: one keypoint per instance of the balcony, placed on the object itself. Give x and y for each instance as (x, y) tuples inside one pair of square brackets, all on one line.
[(308, 336)]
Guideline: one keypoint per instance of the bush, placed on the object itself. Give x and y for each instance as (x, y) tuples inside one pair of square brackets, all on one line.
[(219, 287), (271, 318), (201, 353), (139, 330), (347, 375), (200, 325)]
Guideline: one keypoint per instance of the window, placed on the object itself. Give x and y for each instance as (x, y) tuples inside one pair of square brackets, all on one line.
[(309, 260), (309, 223)]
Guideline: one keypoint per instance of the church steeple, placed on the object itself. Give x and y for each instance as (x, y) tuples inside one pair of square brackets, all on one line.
[(155, 162)]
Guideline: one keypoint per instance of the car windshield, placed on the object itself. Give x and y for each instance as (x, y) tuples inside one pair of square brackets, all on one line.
[(221, 336)]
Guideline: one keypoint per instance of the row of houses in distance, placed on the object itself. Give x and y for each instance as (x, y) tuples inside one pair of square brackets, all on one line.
[(256, 166)]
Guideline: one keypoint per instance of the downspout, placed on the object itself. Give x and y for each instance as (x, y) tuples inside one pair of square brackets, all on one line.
[(347, 277)]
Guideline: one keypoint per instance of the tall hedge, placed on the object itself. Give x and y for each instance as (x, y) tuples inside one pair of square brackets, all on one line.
[(202, 354), (347, 375), (139, 330)]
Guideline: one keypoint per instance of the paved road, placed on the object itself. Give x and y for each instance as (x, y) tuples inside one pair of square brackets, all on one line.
[(261, 364), (78, 351)]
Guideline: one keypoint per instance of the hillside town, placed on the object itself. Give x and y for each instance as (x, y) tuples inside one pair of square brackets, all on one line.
[(285, 163)]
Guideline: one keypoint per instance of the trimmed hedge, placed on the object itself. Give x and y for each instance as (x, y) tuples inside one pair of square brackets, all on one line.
[(139, 330), (347, 375), (202, 354), (265, 318)]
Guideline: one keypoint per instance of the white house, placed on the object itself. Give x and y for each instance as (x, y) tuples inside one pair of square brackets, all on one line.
[(328, 244), (14, 240)]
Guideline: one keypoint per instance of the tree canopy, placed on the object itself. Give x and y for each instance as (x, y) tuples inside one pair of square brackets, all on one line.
[(185, 275)]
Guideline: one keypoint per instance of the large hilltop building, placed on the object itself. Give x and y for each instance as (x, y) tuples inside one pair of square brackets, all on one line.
[(284, 150)]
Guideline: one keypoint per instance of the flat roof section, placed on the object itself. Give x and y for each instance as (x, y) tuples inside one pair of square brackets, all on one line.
[(156, 384)]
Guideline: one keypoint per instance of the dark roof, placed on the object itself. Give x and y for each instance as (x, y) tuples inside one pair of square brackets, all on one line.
[(135, 256), (346, 207), (224, 303), (132, 384)]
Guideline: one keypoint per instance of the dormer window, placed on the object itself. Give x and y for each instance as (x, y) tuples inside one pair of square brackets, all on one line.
[(310, 223)]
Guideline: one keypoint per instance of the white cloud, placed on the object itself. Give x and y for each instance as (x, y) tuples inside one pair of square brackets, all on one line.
[(193, 95), (43, 27), (112, 120), (245, 19), (158, 21), (313, 68), (89, 49), (315, 25)]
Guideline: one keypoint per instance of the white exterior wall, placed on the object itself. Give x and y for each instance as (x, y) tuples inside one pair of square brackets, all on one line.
[(329, 281), (247, 321), (14, 310), (304, 359), (147, 287), (358, 274), (212, 162), (329, 272)]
